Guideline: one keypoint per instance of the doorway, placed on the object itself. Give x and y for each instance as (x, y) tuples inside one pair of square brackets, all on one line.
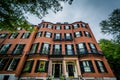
[(57, 70), (71, 69), (6, 77)]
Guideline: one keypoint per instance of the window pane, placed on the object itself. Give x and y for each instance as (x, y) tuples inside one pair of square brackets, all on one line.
[(45, 49), (75, 25), (14, 35), (13, 64), (3, 35), (19, 49), (4, 48), (28, 66), (49, 26), (67, 27), (58, 27), (26, 35), (48, 34), (39, 34)]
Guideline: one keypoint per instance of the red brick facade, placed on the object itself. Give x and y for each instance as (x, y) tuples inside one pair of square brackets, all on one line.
[(71, 52)]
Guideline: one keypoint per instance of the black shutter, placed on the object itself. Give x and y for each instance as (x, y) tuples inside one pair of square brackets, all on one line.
[(17, 62), (64, 27), (72, 26), (65, 36), (86, 51), (74, 34), (41, 34), (22, 35), (49, 49), (60, 51), (85, 33), (66, 51), (46, 66), (31, 65), (90, 47), (69, 27), (1, 46), (45, 34), (70, 36), (97, 66), (77, 49), (22, 48), (53, 49), (36, 47), (104, 67), (47, 26), (72, 49), (4, 63), (14, 49), (81, 66), (60, 36), (31, 48), (36, 35), (28, 35), (78, 25), (60, 27), (80, 33), (37, 66), (54, 36), (91, 66), (50, 35), (41, 49)]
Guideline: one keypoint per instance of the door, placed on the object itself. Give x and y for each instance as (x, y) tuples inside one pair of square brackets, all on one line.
[(70, 70), (57, 70), (6, 77)]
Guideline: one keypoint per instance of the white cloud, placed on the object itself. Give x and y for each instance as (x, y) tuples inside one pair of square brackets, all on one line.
[(87, 11)]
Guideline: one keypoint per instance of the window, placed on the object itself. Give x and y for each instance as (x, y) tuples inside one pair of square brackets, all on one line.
[(83, 25), (26, 35), (87, 34), (28, 66), (4, 48), (3, 35), (57, 49), (68, 36), (34, 48), (57, 36), (45, 49), (14, 35), (48, 34), (18, 49), (3, 62), (75, 26), (66, 27), (58, 27), (81, 48), (100, 66), (41, 25), (93, 48), (69, 49), (86, 66), (39, 34), (78, 34), (42, 66), (49, 26), (13, 64)]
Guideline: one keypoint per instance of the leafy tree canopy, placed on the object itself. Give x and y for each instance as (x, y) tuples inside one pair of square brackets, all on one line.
[(112, 53), (12, 11), (112, 25)]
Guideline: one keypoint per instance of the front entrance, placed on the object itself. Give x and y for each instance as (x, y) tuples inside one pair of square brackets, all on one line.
[(70, 70), (57, 70)]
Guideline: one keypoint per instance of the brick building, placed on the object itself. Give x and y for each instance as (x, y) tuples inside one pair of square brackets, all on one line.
[(61, 49)]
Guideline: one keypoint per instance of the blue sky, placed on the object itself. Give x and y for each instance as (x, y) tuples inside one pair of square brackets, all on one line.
[(89, 11)]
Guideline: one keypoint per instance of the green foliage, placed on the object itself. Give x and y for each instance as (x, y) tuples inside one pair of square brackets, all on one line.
[(12, 12), (112, 53), (112, 25)]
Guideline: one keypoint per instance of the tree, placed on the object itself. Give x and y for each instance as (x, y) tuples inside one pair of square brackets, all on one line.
[(12, 11), (112, 53), (112, 25)]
